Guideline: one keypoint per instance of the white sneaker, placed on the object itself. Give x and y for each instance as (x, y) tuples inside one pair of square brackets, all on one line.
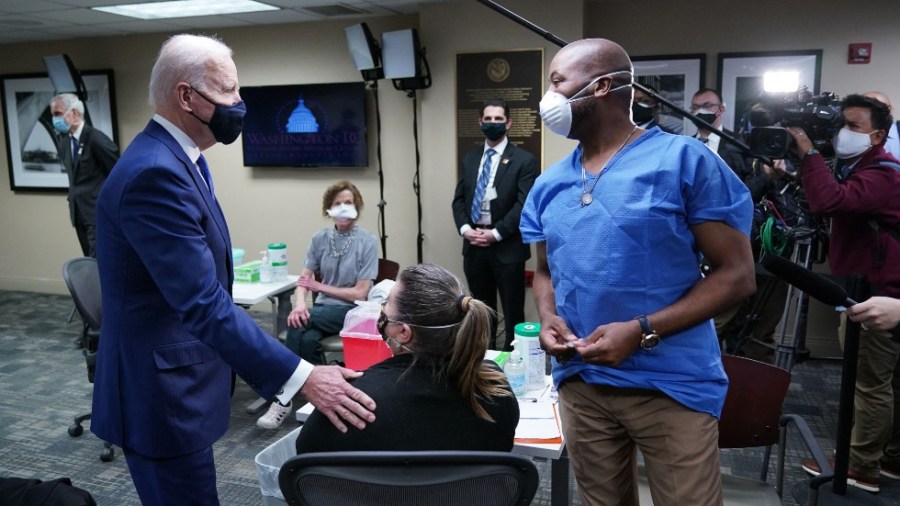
[(275, 416)]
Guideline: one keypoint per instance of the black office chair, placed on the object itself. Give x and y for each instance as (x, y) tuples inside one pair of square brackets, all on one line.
[(83, 280), (435, 478)]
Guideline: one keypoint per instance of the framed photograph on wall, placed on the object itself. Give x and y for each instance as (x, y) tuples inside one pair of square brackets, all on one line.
[(30, 137), (677, 77), (740, 77)]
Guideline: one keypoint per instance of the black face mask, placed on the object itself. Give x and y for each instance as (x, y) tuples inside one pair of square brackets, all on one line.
[(493, 131), (709, 117), (642, 113), (227, 121)]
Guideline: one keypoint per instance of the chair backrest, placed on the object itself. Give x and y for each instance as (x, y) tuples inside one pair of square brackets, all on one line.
[(756, 392), (436, 478), (387, 269), (83, 280)]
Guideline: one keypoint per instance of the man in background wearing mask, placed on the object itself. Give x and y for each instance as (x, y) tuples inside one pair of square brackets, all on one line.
[(493, 182), (172, 338), (619, 226), (892, 143), (707, 105), (862, 198), (87, 155), (645, 113)]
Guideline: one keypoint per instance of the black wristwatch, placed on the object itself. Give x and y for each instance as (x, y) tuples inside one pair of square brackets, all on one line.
[(649, 337)]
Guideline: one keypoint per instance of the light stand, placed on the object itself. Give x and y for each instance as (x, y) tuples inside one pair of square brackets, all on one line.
[(366, 55), (406, 66)]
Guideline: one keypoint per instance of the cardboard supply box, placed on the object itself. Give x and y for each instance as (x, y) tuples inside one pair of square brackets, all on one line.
[(248, 272)]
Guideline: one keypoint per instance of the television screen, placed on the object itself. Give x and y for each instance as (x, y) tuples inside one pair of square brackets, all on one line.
[(305, 125)]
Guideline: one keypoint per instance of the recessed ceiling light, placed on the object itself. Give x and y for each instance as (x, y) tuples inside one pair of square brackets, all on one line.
[(186, 8)]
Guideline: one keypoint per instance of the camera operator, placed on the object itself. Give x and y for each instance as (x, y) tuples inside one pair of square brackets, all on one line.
[(862, 199)]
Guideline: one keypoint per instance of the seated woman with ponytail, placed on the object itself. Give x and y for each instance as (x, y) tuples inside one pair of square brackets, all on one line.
[(437, 392)]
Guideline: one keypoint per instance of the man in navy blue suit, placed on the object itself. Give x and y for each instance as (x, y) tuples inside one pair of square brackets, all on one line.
[(172, 337)]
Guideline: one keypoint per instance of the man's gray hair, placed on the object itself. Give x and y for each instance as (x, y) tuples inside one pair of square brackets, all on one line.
[(70, 101), (183, 58)]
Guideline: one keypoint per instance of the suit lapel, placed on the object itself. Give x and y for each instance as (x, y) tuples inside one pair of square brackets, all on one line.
[(505, 160), (156, 131)]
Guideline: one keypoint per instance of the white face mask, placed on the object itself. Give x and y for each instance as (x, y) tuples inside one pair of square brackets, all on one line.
[(850, 144), (343, 212), (556, 108)]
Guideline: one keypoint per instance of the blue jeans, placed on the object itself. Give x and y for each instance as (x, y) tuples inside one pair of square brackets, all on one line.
[(324, 320)]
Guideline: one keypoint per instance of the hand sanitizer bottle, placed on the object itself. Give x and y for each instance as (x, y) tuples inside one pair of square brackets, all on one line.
[(516, 372), (265, 270)]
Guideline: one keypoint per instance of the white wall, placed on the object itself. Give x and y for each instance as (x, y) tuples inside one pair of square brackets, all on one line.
[(266, 204), (262, 204)]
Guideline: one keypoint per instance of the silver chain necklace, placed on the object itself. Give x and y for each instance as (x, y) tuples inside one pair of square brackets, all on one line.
[(587, 193), (346, 247)]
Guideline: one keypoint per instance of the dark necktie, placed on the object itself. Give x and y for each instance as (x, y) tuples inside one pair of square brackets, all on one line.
[(204, 171), (75, 147), (482, 186)]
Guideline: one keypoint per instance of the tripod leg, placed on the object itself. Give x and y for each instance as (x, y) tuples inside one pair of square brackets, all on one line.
[(786, 354)]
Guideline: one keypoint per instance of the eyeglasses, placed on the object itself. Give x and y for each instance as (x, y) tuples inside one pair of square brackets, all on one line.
[(709, 106), (383, 321)]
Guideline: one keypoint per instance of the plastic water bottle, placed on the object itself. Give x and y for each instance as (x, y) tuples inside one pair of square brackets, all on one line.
[(516, 372), (535, 359), (278, 258), (265, 269)]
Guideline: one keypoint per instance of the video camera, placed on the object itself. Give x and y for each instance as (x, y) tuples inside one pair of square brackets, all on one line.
[(819, 116)]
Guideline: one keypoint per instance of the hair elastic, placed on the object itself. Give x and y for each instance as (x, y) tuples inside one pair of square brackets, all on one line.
[(463, 302)]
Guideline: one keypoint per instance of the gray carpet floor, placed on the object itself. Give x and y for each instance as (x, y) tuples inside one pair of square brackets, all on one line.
[(43, 384)]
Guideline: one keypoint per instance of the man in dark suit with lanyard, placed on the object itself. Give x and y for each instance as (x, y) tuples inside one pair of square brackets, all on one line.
[(87, 155), (494, 181)]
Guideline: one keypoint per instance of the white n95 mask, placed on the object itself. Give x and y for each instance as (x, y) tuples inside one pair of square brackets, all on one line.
[(343, 212), (849, 144), (556, 108)]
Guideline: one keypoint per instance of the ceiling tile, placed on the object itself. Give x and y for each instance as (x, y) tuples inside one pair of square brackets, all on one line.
[(31, 20)]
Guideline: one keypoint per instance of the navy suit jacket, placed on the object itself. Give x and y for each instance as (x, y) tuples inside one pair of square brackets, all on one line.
[(170, 335), (515, 177)]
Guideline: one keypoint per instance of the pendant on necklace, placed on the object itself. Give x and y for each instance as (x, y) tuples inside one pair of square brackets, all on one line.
[(586, 199)]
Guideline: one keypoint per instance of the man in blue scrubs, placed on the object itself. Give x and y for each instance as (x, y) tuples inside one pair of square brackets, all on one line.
[(620, 226)]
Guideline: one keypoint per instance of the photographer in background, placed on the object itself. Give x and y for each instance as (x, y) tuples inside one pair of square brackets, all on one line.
[(862, 198)]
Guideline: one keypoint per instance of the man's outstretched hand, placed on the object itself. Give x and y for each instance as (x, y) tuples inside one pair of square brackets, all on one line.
[(327, 389)]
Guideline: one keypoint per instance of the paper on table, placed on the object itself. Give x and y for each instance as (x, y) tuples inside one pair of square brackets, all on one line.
[(535, 410), (537, 428)]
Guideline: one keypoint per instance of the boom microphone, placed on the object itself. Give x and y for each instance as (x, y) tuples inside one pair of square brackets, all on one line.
[(814, 285)]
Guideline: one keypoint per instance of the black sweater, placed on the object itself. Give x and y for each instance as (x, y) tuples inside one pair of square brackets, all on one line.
[(414, 412)]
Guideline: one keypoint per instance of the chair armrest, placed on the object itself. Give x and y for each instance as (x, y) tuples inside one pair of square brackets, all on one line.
[(827, 473)]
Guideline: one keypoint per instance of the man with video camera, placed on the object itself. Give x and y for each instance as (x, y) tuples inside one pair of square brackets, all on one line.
[(862, 198)]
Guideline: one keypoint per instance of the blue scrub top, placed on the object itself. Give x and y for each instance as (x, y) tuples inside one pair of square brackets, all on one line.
[(631, 252)]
